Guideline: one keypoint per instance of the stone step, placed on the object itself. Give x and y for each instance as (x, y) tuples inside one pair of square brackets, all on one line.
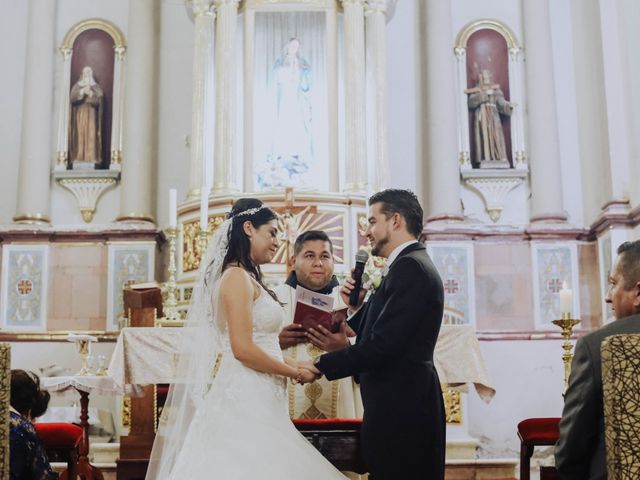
[(481, 469), (104, 452), (455, 469)]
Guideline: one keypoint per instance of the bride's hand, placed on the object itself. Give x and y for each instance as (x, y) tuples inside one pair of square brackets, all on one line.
[(305, 376)]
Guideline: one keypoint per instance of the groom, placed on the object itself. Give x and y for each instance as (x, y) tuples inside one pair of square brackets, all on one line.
[(403, 430)]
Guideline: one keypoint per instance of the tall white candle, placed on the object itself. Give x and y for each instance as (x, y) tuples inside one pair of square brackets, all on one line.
[(565, 299), (173, 208), (204, 209)]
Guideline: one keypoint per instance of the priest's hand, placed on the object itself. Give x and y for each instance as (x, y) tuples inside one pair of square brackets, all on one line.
[(292, 335), (327, 341)]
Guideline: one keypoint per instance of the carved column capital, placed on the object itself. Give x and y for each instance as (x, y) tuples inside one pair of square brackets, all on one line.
[(376, 6), (357, 3), (460, 53), (223, 3), (66, 53), (120, 50)]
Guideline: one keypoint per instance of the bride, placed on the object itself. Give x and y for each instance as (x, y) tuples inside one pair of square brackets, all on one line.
[(226, 416)]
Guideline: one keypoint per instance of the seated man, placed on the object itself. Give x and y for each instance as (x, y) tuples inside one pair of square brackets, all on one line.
[(313, 269), (580, 451)]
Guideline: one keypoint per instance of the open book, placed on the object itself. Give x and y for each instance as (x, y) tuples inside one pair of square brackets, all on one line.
[(313, 309)]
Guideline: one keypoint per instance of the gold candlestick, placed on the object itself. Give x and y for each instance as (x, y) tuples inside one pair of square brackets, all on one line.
[(566, 323), (171, 305)]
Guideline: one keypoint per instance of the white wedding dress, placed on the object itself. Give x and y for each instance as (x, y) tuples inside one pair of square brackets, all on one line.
[(242, 429)]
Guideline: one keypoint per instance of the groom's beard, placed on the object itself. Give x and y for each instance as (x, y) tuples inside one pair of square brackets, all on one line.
[(379, 245)]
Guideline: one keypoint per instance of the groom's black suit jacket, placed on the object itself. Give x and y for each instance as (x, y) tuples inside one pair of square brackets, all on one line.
[(403, 431)]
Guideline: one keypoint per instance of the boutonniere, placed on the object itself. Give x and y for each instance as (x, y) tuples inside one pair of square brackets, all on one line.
[(374, 270)]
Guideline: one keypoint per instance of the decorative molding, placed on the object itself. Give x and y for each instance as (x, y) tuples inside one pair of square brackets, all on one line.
[(135, 217), (91, 23), (494, 186), (32, 218), (472, 27), (49, 235), (87, 187), (57, 336)]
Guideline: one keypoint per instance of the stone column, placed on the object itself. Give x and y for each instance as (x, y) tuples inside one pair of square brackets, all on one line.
[(438, 155), (63, 113), (355, 97), (35, 144), (544, 147), (225, 168), (116, 122), (376, 70), (201, 119), (139, 113), (616, 91)]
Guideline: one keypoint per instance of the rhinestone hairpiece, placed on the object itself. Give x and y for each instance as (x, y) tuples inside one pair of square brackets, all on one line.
[(250, 211)]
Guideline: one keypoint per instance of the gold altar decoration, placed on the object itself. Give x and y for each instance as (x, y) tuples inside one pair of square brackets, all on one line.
[(452, 406), (125, 417), (566, 323), (192, 241)]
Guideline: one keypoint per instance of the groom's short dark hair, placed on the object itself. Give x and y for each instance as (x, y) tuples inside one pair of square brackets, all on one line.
[(403, 202)]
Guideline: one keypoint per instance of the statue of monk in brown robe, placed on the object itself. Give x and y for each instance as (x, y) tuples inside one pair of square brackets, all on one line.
[(85, 132)]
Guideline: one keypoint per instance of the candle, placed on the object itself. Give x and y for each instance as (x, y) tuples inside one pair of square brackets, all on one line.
[(173, 208), (204, 209), (565, 300)]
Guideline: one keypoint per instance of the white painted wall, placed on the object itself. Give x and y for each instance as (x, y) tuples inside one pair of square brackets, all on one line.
[(528, 378)]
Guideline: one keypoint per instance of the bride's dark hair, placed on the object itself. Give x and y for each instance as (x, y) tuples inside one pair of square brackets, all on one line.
[(239, 249)]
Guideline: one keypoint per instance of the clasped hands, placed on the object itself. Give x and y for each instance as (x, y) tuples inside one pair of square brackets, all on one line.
[(307, 372)]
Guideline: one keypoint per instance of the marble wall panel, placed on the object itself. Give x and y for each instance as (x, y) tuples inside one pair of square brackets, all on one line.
[(504, 299), (553, 264), (454, 262), (25, 287), (129, 263)]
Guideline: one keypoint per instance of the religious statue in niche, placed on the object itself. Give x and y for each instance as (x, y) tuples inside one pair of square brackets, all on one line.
[(488, 103), (85, 129), (292, 148)]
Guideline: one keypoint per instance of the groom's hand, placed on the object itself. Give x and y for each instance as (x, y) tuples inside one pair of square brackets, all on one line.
[(308, 365), (292, 335), (327, 341)]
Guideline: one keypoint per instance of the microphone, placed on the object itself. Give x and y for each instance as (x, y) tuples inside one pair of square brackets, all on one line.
[(361, 260)]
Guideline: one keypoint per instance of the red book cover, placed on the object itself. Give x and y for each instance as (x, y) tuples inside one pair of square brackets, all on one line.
[(313, 309)]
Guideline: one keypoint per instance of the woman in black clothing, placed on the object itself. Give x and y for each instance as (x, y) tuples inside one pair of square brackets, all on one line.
[(28, 457)]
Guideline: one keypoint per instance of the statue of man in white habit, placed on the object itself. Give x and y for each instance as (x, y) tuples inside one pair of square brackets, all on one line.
[(488, 103), (85, 132)]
